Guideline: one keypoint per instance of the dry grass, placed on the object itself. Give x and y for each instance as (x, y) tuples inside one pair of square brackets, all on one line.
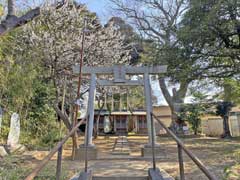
[(221, 156)]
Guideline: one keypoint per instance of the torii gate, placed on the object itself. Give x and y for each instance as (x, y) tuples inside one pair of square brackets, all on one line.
[(119, 72)]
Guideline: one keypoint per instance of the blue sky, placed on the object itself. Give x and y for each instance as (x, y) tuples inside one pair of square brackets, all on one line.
[(101, 7)]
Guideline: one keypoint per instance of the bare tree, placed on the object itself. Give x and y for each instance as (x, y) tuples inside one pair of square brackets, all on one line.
[(157, 20)]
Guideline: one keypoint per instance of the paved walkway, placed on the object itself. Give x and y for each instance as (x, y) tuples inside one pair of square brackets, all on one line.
[(121, 146), (119, 168)]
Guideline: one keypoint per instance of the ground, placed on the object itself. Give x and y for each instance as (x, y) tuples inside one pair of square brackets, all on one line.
[(219, 155)]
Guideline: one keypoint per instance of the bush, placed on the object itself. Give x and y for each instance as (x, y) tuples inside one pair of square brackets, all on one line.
[(50, 138), (192, 114), (4, 129)]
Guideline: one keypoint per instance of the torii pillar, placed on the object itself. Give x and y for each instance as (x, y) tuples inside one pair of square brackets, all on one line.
[(148, 102)]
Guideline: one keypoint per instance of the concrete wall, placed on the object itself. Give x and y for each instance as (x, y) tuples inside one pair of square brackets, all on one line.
[(234, 125), (162, 111), (211, 125), (164, 114)]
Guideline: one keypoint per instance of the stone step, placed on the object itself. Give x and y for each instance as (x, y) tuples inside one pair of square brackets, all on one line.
[(122, 140), (120, 153), (122, 149), (119, 178), (122, 143), (114, 178), (121, 146)]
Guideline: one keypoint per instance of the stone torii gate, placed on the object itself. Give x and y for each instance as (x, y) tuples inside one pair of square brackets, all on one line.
[(119, 73)]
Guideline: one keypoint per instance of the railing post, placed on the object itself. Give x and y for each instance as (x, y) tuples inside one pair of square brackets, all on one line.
[(86, 144), (59, 164), (180, 159), (153, 144)]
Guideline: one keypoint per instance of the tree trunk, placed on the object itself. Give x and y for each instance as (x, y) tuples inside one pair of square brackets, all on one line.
[(195, 131), (74, 146), (98, 117), (75, 135), (176, 123), (175, 101), (63, 117), (226, 128), (11, 8), (227, 98)]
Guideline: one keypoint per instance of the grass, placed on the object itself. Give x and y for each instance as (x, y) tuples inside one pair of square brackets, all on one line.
[(221, 156), (15, 167)]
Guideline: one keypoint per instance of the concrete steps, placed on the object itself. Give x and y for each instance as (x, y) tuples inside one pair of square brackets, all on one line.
[(156, 174), (121, 146), (114, 178)]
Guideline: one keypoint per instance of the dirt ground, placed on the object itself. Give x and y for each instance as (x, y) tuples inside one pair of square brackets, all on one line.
[(221, 156)]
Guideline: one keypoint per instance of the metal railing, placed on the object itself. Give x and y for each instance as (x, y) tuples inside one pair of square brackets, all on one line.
[(58, 148), (181, 147)]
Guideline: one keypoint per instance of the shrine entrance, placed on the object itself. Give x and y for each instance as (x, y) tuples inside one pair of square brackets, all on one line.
[(119, 73)]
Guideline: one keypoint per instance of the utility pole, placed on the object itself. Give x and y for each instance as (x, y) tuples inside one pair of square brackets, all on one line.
[(79, 88)]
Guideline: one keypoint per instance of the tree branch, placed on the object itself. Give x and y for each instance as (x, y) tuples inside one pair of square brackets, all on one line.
[(182, 91), (12, 21), (62, 116), (165, 92)]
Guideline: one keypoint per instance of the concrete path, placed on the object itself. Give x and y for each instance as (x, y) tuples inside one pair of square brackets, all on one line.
[(119, 170), (121, 146)]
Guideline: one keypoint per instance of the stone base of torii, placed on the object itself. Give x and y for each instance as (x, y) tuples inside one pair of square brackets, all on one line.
[(92, 153), (119, 72)]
